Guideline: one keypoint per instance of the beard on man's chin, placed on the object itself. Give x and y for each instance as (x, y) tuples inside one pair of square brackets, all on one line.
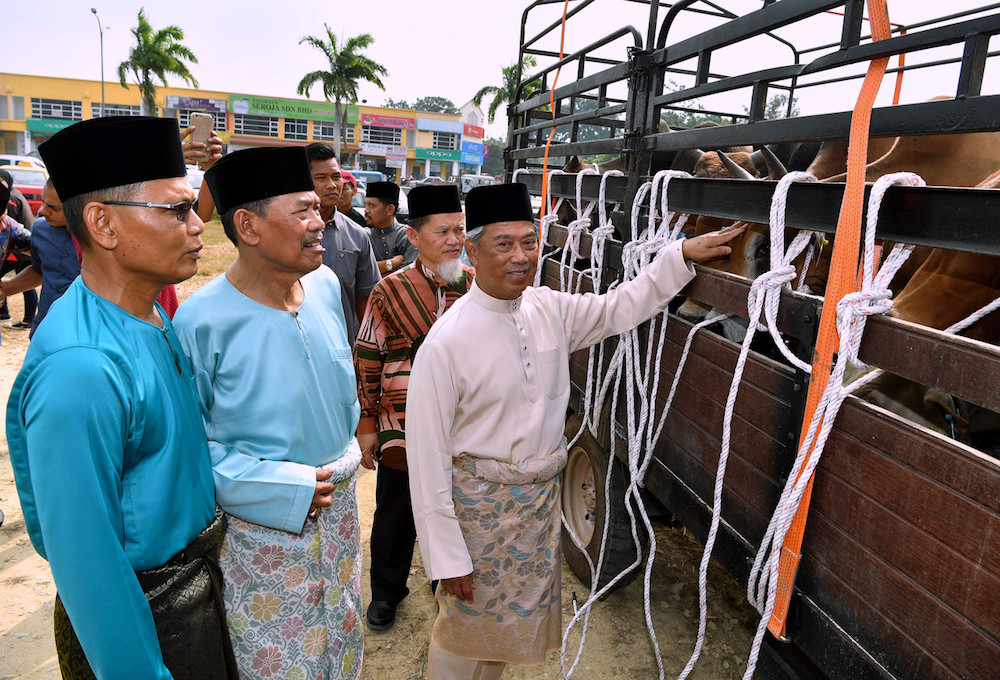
[(450, 270)]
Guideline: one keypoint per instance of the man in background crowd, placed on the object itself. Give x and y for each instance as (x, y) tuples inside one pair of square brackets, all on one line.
[(392, 247), (346, 204)]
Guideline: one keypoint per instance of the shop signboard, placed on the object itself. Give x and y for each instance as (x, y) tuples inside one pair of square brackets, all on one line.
[(438, 125), (289, 108), (438, 154), (197, 103), (395, 162), (376, 120), (472, 147), (386, 150), (473, 131), (472, 158), (48, 126)]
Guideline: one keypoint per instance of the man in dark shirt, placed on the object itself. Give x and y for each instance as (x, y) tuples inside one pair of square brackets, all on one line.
[(392, 247), (54, 260)]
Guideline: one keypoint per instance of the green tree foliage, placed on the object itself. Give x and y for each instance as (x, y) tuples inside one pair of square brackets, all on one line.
[(494, 160), (346, 67), (155, 54), (391, 103), (505, 92), (436, 105), (777, 107)]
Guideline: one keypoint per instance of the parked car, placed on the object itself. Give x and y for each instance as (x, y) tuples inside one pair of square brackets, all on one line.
[(468, 182), (31, 161), (366, 176), (29, 180), (432, 179), (195, 176)]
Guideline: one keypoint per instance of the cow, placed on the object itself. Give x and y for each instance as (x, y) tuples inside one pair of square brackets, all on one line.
[(948, 287)]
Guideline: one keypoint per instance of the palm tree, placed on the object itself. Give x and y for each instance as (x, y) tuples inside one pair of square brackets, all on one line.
[(346, 67), (507, 91), (156, 53)]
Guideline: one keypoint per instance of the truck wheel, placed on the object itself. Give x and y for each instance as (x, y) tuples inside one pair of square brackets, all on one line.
[(586, 510)]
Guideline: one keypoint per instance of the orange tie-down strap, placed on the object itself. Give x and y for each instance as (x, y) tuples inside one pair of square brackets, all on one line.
[(842, 280)]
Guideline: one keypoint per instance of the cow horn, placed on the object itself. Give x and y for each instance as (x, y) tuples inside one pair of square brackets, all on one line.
[(775, 168), (757, 159), (736, 171), (693, 155)]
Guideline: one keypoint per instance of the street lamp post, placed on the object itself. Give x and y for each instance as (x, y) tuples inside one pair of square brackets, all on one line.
[(101, 29)]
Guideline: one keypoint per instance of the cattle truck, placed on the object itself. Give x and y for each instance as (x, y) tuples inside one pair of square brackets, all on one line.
[(900, 570)]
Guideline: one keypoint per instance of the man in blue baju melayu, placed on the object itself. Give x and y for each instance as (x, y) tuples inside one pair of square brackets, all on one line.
[(274, 371), (104, 426)]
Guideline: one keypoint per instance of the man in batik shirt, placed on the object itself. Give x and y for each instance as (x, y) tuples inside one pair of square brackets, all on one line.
[(401, 310), (487, 408), (272, 361)]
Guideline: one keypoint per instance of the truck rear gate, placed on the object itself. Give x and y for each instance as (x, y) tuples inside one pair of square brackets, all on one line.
[(900, 575)]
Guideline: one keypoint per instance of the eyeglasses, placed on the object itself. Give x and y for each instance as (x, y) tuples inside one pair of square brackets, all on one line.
[(183, 209)]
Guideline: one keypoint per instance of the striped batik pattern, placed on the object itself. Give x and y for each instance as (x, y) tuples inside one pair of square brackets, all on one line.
[(401, 309)]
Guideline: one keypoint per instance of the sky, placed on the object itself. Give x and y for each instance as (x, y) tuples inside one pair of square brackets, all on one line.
[(447, 48)]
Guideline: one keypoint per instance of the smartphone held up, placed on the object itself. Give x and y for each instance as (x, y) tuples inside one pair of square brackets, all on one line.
[(202, 123)]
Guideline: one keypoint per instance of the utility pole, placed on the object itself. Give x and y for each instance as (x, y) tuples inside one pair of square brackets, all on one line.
[(101, 29)]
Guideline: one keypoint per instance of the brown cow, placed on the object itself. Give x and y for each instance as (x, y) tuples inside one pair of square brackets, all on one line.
[(948, 287)]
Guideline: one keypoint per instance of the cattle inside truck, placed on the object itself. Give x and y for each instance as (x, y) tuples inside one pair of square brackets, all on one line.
[(899, 574)]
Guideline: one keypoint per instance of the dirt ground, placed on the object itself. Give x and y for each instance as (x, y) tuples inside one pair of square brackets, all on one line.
[(617, 644)]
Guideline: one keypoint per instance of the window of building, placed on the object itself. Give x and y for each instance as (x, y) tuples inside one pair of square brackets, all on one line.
[(381, 135), (296, 128), (264, 126), (18, 106), (323, 132), (3, 106), (56, 108), (184, 118), (444, 140), (113, 110)]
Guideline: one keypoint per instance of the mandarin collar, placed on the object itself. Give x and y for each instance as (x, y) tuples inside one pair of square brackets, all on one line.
[(493, 304)]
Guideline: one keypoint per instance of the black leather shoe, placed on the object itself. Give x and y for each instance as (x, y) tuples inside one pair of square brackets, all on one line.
[(381, 615)]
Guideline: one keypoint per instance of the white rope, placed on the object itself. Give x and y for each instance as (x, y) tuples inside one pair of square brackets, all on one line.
[(591, 408), (574, 231), (637, 254), (546, 221), (762, 300), (852, 313)]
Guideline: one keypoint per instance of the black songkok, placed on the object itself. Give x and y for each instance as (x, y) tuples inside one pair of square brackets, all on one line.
[(254, 174), (497, 203), (385, 191), (112, 152), (433, 200)]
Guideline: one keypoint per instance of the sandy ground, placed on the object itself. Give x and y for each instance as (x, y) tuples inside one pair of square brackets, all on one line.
[(617, 644)]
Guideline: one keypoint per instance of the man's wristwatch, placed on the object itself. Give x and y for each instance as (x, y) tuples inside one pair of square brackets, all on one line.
[(388, 265)]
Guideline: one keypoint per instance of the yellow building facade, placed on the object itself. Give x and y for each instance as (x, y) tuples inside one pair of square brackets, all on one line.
[(401, 143)]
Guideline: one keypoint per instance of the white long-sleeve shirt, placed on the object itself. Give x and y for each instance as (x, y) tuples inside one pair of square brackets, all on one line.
[(492, 381)]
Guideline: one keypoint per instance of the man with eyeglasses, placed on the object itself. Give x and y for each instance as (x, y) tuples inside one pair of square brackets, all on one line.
[(104, 426), (56, 257)]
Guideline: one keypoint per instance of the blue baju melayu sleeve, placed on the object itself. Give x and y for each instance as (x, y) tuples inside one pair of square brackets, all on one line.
[(111, 469), (278, 394)]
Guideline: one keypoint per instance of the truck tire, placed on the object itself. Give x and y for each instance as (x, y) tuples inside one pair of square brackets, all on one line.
[(586, 510)]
